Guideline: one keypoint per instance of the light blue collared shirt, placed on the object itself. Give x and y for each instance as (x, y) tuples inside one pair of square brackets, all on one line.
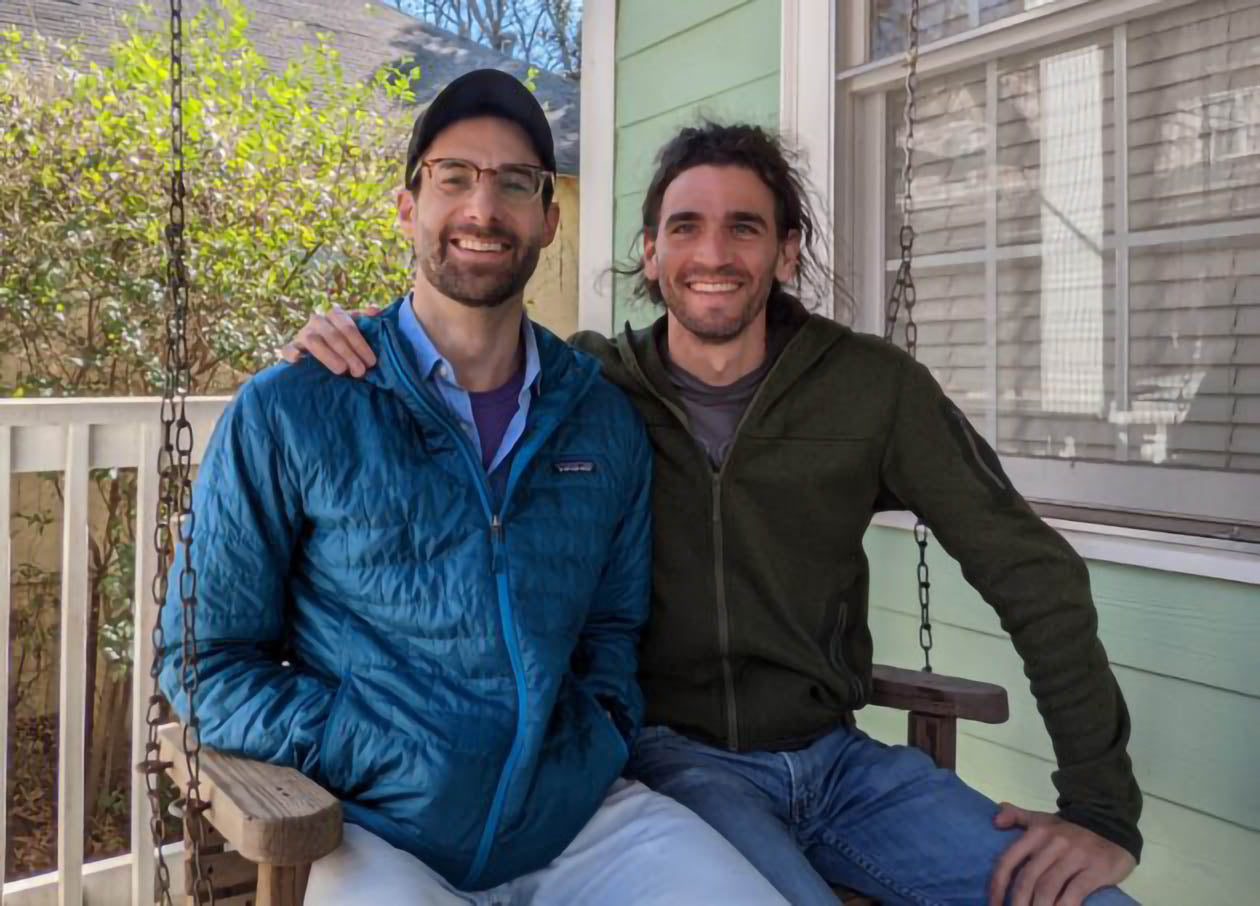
[(439, 375)]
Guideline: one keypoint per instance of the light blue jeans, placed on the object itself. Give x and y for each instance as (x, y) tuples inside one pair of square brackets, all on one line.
[(847, 810)]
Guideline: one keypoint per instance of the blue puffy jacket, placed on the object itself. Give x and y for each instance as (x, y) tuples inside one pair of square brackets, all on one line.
[(455, 664)]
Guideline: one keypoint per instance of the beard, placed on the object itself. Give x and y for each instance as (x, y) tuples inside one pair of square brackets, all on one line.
[(715, 326), (479, 285)]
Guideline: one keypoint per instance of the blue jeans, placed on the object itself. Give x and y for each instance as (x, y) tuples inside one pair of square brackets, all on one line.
[(847, 810)]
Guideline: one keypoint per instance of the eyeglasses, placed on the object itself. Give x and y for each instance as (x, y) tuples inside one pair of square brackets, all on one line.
[(513, 183)]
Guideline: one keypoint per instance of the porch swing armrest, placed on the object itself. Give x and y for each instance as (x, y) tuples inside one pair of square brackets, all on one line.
[(271, 815), (939, 695)]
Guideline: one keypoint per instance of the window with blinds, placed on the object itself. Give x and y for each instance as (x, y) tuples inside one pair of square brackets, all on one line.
[(1088, 235), (938, 19)]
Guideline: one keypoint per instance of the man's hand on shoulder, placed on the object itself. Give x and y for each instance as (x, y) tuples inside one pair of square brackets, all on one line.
[(1055, 862), (334, 340)]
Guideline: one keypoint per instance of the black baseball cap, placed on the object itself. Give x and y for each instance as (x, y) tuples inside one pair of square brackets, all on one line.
[(482, 92)]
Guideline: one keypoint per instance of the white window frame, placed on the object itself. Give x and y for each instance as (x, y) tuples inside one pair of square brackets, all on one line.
[(854, 129), (806, 118)]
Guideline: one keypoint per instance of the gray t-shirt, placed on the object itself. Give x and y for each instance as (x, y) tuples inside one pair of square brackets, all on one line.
[(714, 412)]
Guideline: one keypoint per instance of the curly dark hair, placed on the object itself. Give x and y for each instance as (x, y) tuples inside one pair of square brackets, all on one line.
[(764, 153)]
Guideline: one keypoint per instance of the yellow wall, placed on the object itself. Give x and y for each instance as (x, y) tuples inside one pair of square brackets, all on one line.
[(551, 297)]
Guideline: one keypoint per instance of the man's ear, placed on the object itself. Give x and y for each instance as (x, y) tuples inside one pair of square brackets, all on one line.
[(785, 270), (551, 223), (650, 268), (406, 203)]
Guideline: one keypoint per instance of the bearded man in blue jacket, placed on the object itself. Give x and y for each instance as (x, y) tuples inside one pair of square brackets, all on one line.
[(424, 589)]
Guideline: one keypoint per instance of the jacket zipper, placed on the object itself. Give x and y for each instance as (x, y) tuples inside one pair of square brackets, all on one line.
[(499, 567), (488, 832), (719, 565), (724, 620)]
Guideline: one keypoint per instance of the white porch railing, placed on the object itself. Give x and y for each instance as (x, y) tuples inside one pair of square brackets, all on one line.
[(74, 436)]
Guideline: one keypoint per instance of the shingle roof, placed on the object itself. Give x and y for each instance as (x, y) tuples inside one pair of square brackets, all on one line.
[(368, 33)]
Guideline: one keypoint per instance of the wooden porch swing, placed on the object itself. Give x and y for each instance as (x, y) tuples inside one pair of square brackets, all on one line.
[(252, 830)]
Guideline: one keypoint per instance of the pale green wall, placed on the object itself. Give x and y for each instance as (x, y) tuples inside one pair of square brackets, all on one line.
[(1186, 650), (678, 61)]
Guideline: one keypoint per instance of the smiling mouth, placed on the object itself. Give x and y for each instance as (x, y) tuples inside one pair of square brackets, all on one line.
[(713, 287), (484, 246)]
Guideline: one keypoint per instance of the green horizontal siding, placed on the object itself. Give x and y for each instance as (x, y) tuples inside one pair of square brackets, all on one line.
[(678, 63), (1185, 651)]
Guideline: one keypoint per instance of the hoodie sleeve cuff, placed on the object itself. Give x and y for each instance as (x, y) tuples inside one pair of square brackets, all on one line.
[(1120, 832)]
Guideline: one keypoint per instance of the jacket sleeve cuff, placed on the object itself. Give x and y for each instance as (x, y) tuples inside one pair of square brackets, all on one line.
[(1117, 830)]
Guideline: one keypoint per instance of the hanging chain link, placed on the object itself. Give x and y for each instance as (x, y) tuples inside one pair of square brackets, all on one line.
[(175, 522), (904, 295)]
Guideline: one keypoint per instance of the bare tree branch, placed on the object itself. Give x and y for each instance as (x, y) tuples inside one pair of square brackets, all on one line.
[(529, 34), (560, 14), (547, 33), (489, 29)]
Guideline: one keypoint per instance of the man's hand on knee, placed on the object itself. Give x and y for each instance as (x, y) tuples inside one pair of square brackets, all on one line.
[(1055, 862)]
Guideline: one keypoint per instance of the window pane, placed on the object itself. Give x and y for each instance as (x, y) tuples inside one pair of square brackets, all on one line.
[(1194, 115), (1056, 352), (937, 19), (992, 10), (950, 147), (1194, 316), (1190, 396), (1056, 144), (950, 315)]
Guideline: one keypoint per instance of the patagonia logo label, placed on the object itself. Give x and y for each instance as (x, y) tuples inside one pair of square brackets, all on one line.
[(565, 466)]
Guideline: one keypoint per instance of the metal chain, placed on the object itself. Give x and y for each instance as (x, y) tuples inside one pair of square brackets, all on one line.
[(904, 295), (175, 518)]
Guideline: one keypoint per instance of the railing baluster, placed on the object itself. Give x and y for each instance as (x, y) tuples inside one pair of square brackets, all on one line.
[(142, 852), (5, 588), (51, 435), (74, 619)]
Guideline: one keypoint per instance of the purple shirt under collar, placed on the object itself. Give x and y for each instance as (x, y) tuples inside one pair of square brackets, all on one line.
[(495, 420)]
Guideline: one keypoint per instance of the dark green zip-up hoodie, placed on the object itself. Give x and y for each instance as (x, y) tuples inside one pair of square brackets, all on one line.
[(758, 635)]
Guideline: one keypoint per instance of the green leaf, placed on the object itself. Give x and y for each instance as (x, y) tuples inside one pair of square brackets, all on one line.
[(276, 162)]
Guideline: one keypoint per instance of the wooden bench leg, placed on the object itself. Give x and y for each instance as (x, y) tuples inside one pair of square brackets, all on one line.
[(935, 735), (233, 877), (240, 882), (282, 885)]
